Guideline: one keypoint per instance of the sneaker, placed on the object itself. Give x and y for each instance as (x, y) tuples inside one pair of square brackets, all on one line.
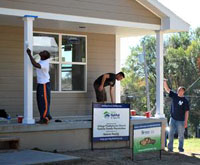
[(181, 150), (49, 117), (43, 121), (169, 150)]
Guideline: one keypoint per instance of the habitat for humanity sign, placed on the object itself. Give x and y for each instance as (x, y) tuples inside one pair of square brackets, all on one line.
[(146, 137), (110, 122)]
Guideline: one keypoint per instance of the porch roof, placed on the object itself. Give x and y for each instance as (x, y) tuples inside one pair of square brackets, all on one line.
[(169, 21)]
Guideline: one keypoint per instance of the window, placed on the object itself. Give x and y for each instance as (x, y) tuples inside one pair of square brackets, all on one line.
[(67, 63)]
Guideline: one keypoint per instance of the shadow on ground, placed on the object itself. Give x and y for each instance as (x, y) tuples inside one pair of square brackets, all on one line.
[(123, 157)]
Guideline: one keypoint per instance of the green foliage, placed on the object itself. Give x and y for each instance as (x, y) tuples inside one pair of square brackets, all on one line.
[(134, 84), (178, 40), (181, 68)]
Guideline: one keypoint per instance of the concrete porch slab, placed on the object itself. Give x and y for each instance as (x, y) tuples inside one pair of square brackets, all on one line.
[(26, 157)]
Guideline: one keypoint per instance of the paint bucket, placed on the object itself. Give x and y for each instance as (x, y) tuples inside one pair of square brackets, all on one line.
[(148, 114), (133, 112), (19, 119)]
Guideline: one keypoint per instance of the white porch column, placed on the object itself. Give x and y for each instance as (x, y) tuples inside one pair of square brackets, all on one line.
[(117, 69), (159, 75), (28, 71)]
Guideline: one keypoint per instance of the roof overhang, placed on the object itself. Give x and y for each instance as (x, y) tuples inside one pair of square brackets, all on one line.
[(70, 22), (170, 22)]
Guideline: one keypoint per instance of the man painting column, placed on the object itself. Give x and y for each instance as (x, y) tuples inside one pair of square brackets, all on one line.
[(43, 85)]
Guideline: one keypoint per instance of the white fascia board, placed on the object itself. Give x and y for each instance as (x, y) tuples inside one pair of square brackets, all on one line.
[(169, 20), (79, 19), (177, 24)]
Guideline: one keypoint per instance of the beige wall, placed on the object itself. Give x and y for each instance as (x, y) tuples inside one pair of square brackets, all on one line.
[(126, 10), (101, 57)]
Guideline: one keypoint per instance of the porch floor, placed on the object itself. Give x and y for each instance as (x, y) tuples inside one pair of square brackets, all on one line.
[(57, 123)]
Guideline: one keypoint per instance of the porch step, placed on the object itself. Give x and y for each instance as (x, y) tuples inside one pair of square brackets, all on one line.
[(9, 142)]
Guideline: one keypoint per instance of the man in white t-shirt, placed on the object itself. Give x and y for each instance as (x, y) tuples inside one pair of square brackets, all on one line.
[(43, 85)]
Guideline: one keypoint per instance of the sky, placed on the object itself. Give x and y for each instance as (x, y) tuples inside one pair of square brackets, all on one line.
[(188, 10)]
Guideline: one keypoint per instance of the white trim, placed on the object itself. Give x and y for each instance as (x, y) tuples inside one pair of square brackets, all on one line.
[(28, 72), (54, 62), (79, 19), (117, 69), (74, 63), (86, 64), (143, 3), (159, 75), (43, 32), (60, 63), (65, 92)]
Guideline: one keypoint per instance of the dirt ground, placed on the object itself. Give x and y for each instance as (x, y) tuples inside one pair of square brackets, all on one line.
[(123, 157)]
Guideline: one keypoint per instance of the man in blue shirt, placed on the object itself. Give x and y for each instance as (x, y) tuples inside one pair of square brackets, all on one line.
[(179, 115)]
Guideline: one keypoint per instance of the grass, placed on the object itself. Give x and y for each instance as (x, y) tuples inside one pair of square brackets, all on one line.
[(191, 145)]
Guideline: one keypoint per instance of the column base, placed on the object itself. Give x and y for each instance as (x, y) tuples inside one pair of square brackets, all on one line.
[(28, 121), (160, 115)]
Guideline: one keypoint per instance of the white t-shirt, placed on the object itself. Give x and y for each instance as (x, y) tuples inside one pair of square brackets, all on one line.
[(43, 73)]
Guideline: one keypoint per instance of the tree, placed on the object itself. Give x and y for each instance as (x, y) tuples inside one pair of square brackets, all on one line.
[(181, 68), (134, 84)]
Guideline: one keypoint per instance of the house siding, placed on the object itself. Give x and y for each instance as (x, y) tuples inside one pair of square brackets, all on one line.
[(125, 10), (100, 59)]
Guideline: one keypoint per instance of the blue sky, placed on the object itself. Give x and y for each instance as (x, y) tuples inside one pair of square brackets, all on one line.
[(188, 10)]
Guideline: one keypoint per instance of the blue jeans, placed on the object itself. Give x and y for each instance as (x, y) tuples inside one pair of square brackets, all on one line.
[(179, 126)]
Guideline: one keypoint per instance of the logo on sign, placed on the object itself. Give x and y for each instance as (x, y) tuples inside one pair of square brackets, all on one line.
[(111, 115), (106, 114)]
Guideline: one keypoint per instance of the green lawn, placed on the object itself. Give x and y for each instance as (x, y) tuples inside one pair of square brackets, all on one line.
[(191, 145)]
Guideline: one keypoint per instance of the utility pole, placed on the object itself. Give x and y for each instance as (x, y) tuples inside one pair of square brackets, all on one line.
[(146, 79), (192, 84)]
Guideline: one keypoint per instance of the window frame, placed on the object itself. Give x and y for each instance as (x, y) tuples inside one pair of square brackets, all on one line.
[(60, 62)]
